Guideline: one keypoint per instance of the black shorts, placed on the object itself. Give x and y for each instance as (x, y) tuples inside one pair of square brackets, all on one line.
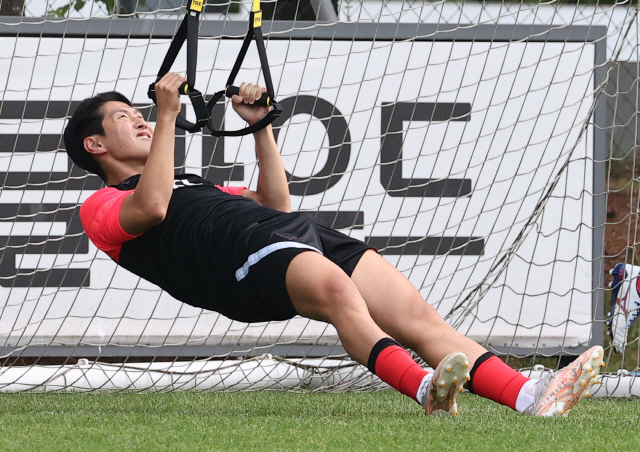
[(262, 255)]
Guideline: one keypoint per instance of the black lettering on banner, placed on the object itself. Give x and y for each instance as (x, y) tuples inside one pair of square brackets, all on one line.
[(74, 241), (218, 171), (393, 115), (339, 143)]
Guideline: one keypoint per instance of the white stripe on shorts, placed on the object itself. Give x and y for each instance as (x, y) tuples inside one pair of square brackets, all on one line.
[(264, 252)]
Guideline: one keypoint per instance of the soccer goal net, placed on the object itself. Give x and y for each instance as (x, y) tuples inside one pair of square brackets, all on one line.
[(487, 150)]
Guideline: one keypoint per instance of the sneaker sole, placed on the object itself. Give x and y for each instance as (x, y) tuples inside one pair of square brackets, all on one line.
[(582, 385), (452, 373), (589, 376)]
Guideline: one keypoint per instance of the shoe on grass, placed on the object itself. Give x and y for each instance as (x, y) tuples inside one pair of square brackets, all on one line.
[(558, 392), (448, 378)]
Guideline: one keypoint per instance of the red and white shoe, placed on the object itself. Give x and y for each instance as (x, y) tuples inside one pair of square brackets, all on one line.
[(448, 378), (558, 392)]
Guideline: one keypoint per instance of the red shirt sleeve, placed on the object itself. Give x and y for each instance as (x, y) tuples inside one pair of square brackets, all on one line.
[(100, 217), (232, 190)]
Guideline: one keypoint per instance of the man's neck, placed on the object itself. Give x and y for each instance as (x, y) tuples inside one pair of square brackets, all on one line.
[(121, 172)]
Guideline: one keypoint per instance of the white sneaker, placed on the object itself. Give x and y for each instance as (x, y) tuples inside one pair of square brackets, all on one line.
[(625, 303)]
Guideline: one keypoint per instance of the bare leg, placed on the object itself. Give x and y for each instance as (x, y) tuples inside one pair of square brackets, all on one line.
[(399, 309), (320, 290)]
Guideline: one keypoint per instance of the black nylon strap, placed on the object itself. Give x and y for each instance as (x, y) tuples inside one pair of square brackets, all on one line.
[(240, 58), (192, 48), (252, 33), (174, 47), (264, 122), (262, 53), (188, 31)]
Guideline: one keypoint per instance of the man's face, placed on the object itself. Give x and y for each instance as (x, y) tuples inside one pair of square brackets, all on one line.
[(127, 135)]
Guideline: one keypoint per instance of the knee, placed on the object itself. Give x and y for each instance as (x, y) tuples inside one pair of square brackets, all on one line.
[(418, 321), (336, 298), (339, 294)]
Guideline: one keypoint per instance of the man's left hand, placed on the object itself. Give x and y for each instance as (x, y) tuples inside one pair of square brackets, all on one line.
[(243, 103)]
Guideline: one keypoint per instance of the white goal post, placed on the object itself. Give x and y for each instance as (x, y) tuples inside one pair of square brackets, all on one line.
[(473, 157)]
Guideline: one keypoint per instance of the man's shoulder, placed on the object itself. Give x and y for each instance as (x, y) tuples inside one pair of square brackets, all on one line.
[(101, 199), (101, 194)]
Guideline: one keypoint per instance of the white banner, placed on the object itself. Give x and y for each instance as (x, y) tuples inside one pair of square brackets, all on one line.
[(439, 153)]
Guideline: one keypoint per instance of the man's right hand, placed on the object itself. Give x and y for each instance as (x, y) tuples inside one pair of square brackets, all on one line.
[(168, 95)]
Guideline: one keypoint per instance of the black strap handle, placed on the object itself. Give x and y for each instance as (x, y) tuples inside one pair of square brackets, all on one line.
[(264, 122), (264, 101), (188, 31)]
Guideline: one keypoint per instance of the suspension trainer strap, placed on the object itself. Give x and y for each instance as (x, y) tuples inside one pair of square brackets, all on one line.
[(268, 100), (188, 31)]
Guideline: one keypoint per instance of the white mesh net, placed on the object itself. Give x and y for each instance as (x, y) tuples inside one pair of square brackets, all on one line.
[(474, 144)]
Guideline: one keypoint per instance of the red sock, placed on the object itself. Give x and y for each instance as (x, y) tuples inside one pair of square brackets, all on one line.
[(493, 379), (394, 366)]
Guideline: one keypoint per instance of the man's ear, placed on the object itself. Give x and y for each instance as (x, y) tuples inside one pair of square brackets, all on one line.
[(94, 145)]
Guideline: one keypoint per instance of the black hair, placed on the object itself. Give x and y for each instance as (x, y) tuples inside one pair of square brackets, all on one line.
[(86, 121)]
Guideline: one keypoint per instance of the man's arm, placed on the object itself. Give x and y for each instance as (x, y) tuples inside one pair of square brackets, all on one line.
[(272, 190), (147, 205)]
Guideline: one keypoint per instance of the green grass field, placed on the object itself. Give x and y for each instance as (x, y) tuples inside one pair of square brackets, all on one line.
[(272, 421)]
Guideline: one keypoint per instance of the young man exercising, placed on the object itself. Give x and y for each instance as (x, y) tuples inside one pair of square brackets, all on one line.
[(244, 254)]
